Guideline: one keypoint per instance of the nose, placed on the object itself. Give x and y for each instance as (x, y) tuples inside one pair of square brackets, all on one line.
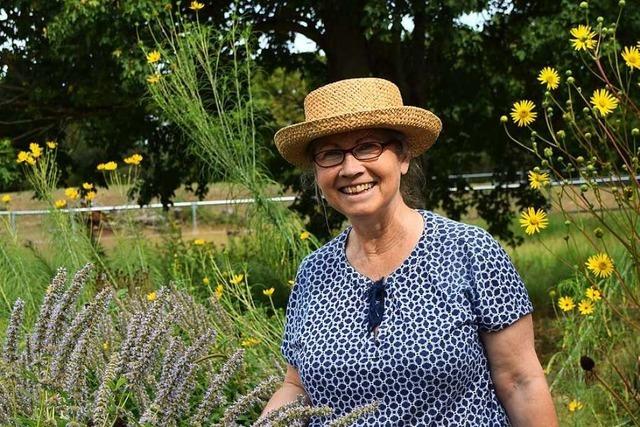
[(350, 166)]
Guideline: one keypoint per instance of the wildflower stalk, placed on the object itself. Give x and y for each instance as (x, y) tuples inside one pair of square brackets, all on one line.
[(10, 352)]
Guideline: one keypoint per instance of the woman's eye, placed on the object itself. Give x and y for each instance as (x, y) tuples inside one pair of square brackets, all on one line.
[(329, 154), (368, 148)]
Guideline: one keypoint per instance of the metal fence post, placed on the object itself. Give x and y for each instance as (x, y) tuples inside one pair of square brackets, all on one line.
[(194, 221)]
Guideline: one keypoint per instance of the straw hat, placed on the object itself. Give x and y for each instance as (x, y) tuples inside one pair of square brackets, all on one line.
[(352, 104)]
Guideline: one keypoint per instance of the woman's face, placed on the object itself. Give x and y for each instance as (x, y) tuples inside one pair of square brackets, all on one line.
[(361, 188)]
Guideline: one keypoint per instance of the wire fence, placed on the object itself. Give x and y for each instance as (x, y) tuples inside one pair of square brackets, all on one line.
[(194, 205)]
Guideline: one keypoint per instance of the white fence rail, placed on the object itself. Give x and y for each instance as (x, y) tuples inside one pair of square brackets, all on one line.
[(227, 202)]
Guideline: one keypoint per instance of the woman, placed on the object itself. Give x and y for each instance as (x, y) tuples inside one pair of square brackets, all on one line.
[(421, 313)]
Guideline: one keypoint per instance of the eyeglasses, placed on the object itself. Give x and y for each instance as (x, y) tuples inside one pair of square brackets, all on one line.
[(365, 151)]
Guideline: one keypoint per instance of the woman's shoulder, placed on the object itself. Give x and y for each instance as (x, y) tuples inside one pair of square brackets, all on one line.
[(327, 252), (446, 229)]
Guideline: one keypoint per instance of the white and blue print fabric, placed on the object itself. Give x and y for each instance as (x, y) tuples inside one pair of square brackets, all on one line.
[(426, 365)]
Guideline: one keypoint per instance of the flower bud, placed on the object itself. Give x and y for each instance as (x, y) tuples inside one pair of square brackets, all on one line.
[(534, 134), (548, 152), (587, 135), (584, 5), (504, 119), (598, 232), (584, 188), (580, 159), (536, 169), (568, 73), (571, 80), (586, 110), (561, 134), (635, 131), (567, 223), (621, 3), (544, 163), (560, 159), (600, 19)]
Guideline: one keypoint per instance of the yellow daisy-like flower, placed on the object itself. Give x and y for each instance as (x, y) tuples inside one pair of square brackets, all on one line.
[(90, 196), (600, 265), (583, 38), (566, 303), (593, 294), (631, 56), (205, 280), (538, 180), (586, 307), (522, 113), (100, 166), (6, 198), (110, 166), (196, 6), (218, 291), (59, 204), (36, 150), (87, 186), (603, 101), (574, 405), (51, 144), (134, 159), (198, 242), (250, 342), (305, 235), (268, 292), (72, 193), (533, 220), (153, 78), (152, 296), (236, 279), (153, 56), (25, 157), (550, 77)]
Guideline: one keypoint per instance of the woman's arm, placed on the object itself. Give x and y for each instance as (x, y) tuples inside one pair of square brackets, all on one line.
[(290, 389), (517, 375)]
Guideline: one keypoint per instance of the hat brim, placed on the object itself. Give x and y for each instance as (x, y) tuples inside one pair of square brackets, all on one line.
[(421, 128)]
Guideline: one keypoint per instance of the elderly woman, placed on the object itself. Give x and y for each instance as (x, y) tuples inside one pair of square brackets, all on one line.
[(423, 314)]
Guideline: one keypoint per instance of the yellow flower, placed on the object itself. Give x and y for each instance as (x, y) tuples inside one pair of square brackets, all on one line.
[(105, 345), (574, 405), (153, 56), (134, 159), (291, 283), (268, 292), (538, 180), (236, 279), (218, 292), (566, 303), (90, 196), (72, 193), (87, 186), (522, 113), (36, 150), (604, 101), (59, 204), (152, 296), (205, 280), (153, 78), (52, 144), (583, 38), (593, 294), (600, 265), (533, 221), (110, 166), (25, 156), (305, 235), (550, 77), (196, 6), (6, 198), (586, 307), (100, 166), (631, 56), (198, 242), (250, 342)]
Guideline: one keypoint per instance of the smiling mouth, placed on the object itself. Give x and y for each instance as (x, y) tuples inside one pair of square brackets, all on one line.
[(357, 189)]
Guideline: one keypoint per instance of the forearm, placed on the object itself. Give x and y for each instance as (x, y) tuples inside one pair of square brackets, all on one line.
[(285, 394), (528, 403)]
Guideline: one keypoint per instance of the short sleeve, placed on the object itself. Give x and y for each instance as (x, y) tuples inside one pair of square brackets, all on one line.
[(290, 347), (499, 294)]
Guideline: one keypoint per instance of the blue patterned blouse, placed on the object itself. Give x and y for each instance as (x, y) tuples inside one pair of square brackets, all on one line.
[(427, 365)]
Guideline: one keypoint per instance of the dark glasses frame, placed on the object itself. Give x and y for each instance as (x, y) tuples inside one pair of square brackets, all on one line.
[(353, 151)]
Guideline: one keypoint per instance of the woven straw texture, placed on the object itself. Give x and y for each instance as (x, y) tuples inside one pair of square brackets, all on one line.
[(356, 104)]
